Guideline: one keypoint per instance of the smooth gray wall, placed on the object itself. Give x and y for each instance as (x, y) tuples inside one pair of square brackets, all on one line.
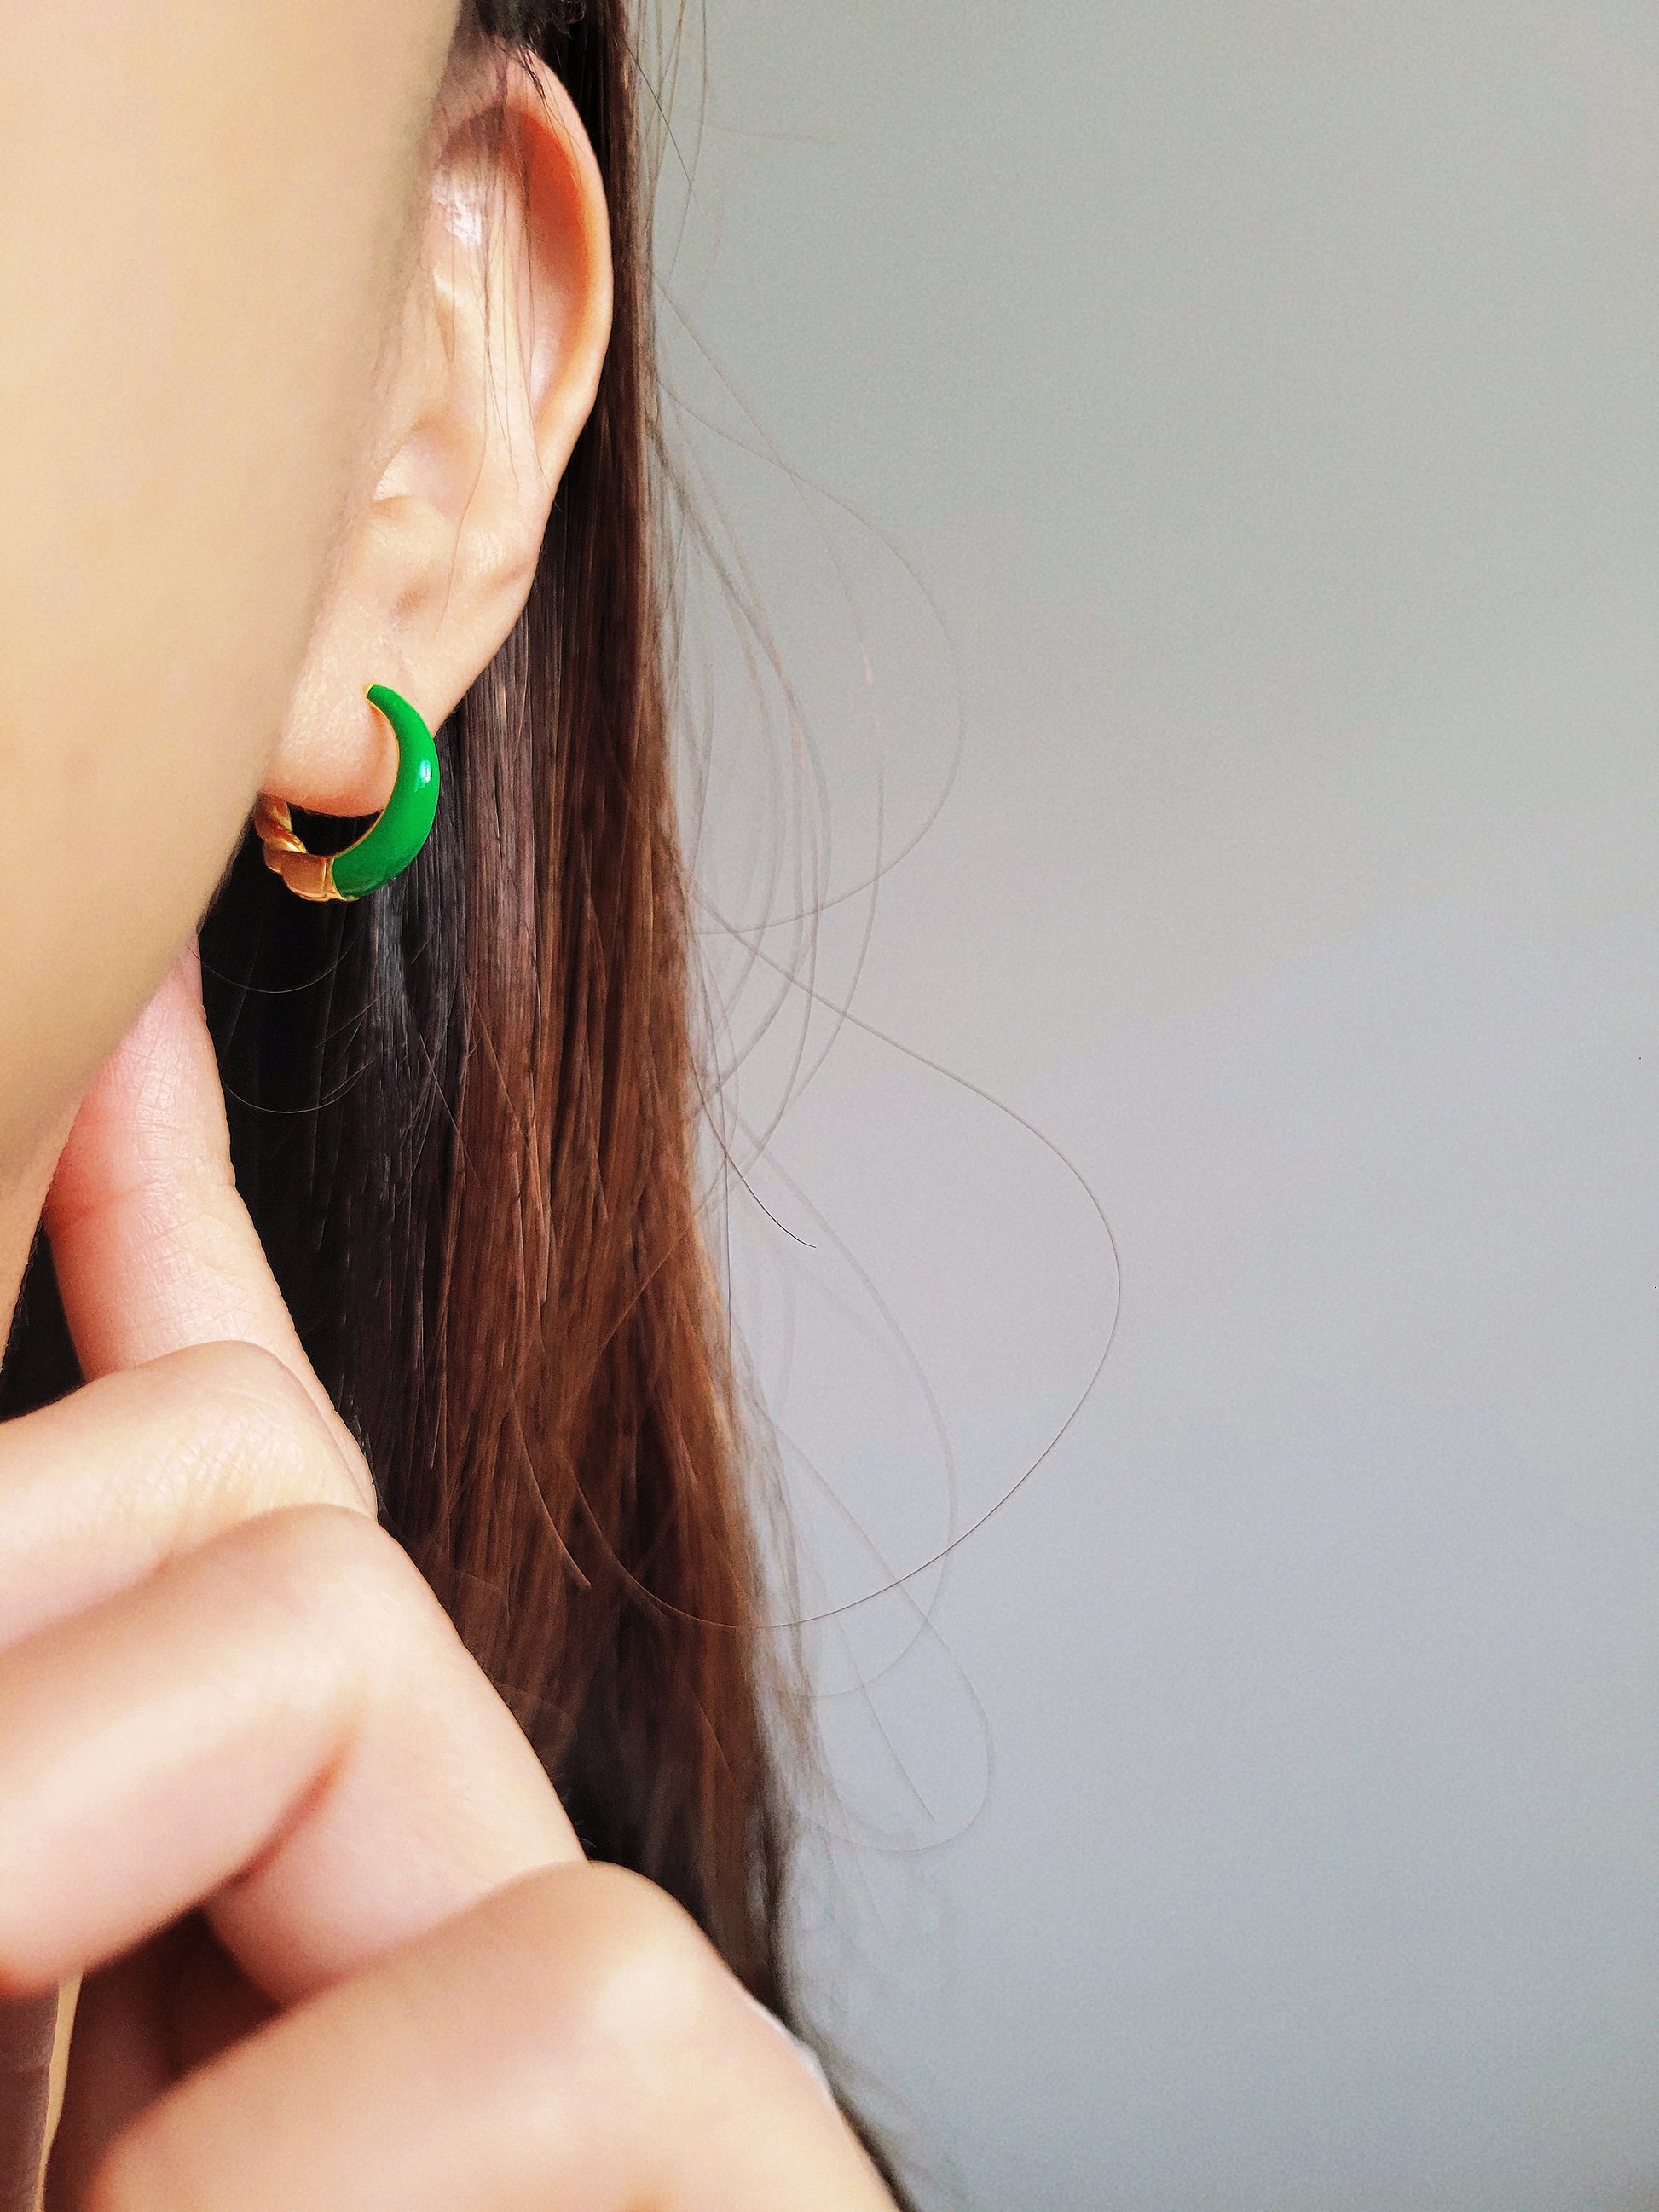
[(1261, 1814)]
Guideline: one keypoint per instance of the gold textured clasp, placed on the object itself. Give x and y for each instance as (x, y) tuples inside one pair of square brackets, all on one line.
[(308, 875)]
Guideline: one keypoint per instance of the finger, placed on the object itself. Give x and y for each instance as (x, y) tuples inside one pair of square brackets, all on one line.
[(104, 1486), (572, 2040), (142, 2023), (282, 1726), (152, 1245)]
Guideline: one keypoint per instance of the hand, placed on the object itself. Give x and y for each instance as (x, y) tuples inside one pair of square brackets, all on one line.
[(340, 1945)]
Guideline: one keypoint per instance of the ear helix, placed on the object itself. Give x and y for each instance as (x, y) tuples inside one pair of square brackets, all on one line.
[(388, 846)]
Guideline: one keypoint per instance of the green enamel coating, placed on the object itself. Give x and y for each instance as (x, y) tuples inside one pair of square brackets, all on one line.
[(405, 823)]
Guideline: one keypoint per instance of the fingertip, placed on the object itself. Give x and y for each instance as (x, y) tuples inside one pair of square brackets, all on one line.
[(163, 1041)]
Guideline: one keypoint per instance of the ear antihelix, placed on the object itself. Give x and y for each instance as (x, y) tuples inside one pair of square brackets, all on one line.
[(392, 840)]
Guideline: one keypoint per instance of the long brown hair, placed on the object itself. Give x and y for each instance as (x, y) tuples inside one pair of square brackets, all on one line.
[(463, 1115)]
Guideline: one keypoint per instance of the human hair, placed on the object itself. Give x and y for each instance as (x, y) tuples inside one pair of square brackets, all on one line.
[(463, 1117)]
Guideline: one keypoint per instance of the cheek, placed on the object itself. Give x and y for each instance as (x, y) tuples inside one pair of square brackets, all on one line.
[(197, 276)]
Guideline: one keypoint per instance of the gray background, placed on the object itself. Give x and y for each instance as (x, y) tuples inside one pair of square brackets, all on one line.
[(1214, 449)]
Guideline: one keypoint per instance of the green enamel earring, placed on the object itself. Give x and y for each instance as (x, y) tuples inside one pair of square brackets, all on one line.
[(387, 847)]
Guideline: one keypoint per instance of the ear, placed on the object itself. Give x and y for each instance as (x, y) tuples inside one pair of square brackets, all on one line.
[(493, 373)]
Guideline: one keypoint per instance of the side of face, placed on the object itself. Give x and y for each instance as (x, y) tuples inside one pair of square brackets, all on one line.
[(268, 433)]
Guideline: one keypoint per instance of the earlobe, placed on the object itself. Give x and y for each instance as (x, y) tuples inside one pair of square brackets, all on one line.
[(495, 372)]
